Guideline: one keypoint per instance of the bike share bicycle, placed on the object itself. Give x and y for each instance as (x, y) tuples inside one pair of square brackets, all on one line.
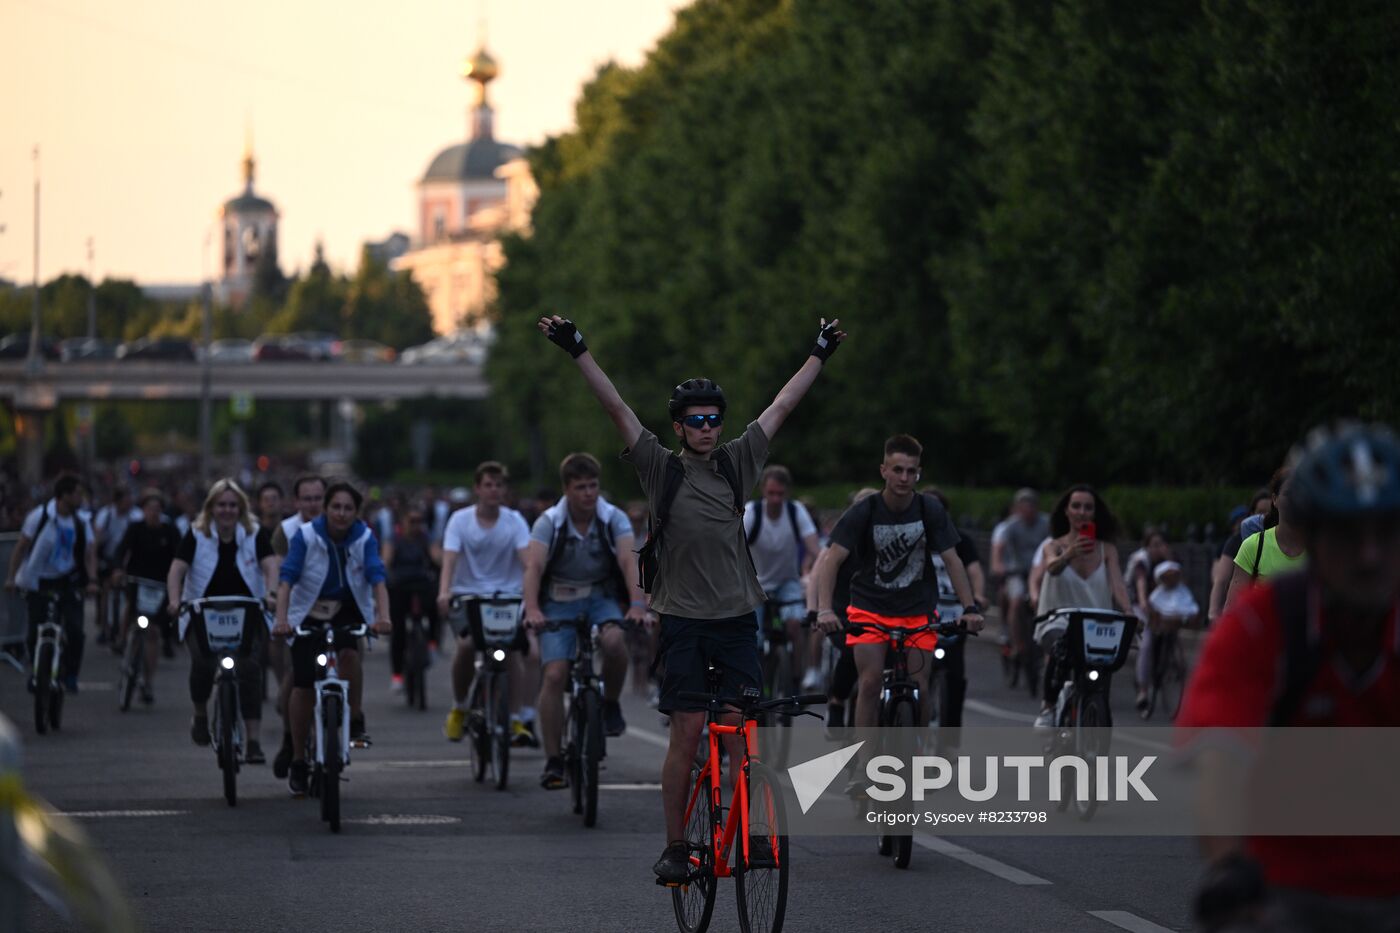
[(585, 743), (149, 604), (748, 842), (1094, 645), (416, 653), (779, 664), (329, 738), (224, 622), (496, 632), (1167, 683), (900, 694), (48, 662)]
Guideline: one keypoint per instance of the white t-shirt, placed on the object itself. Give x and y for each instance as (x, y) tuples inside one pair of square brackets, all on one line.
[(775, 552), (1174, 601), (999, 532), (58, 558), (489, 560)]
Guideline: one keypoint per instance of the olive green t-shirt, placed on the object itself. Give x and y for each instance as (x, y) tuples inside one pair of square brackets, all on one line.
[(703, 568), (1272, 560)]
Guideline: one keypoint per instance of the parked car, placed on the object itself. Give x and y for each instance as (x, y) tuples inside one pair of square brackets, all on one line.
[(461, 347), (281, 348), (231, 350), (16, 347), (318, 343), (174, 349), (363, 351), (87, 348)]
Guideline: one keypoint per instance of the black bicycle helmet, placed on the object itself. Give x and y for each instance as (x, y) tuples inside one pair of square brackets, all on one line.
[(699, 391), (1343, 472)]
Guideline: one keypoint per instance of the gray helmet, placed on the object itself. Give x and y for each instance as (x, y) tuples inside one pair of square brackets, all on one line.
[(699, 391)]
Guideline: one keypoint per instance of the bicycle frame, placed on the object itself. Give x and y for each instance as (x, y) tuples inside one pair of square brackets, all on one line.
[(331, 683), (50, 632), (710, 780)]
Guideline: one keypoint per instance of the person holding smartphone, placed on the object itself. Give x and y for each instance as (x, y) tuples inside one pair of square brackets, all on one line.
[(1081, 570)]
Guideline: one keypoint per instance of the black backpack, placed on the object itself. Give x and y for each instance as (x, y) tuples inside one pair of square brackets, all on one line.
[(758, 510), (79, 574), (647, 556)]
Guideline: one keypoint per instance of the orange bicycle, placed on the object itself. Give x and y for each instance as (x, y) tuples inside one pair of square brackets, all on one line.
[(748, 843)]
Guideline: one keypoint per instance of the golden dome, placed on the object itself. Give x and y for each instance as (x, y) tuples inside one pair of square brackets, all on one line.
[(480, 67)]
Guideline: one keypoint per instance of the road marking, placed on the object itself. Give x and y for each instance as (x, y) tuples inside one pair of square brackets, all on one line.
[(651, 738), (423, 763), (978, 860), (996, 712), (629, 786), (1129, 921), (121, 814), (405, 819)]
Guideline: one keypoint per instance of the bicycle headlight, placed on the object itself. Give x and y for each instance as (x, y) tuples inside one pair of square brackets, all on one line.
[(142, 621), (939, 653), (321, 660), (499, 654), (1093, 675), (226, 663)]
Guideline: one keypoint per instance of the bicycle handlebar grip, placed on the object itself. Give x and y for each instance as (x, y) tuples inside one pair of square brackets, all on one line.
[(810, 699)]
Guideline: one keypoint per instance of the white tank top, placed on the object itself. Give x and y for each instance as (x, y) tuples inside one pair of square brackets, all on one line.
[(1069, 589)]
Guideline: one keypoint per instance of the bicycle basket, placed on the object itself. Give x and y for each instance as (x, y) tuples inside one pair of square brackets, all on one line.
[(150, 600), (223, 627), (1097, 642), (495, 623)]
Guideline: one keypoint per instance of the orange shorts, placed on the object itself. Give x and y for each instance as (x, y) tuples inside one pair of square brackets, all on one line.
[(924, 641)]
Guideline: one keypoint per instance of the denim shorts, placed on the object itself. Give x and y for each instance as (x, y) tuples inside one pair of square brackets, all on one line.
[(562, 645), (689, 645)]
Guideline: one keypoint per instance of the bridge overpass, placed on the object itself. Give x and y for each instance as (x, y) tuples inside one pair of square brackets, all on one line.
[(120, 380)]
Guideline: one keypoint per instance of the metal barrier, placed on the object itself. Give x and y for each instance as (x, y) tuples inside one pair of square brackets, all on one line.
[(14, 615)]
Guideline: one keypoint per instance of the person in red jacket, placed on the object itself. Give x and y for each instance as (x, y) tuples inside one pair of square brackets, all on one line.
[(1319, 648)]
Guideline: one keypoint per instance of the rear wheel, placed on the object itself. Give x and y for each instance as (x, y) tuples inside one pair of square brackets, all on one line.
[(331, 715), (43, 686), (227, 713), (592, 747), (902, 716), (761, 883), (694, 901)]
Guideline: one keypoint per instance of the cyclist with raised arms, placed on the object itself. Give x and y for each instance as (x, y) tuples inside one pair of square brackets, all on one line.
[(580, 564), (484, 549), (1317, 648), (783, 541), (893, 537), (146, 552), (220, 556), (57, 550), (333, 575), (309, 493), (705, 588)]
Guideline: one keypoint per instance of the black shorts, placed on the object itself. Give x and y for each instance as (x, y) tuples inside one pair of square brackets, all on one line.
[(305, 650), (689, 645)]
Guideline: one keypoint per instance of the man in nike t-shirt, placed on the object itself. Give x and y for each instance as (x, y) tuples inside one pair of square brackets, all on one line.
[(892, 538)]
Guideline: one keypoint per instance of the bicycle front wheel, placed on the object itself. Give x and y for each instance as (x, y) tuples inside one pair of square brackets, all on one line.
[(694, 901), (499, 717), (1170, 679), (331, 715), (592, 747), (761, 881), (132, 660), (227, 713), (1092, 738), (43, 686), (902, 716)]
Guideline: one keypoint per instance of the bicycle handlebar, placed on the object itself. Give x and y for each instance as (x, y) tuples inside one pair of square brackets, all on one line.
[(750, 705), (232, 602), (931, 626), (1106, 615), (301, 631)]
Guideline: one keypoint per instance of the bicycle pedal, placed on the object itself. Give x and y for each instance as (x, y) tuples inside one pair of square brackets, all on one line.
[(361, 743), (661, 882)]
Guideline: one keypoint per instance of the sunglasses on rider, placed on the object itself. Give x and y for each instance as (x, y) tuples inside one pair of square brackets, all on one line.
[(699, 421)]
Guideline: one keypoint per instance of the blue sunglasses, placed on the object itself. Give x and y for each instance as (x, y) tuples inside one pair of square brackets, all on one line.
[(699, 421)]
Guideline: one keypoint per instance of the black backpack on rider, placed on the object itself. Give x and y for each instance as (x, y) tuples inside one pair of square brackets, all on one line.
[(647, 556)]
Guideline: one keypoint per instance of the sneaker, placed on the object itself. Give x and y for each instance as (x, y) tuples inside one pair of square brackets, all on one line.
[(283, 760), (674, 865), (613, 723), (1045, 722), (522, 735), (812, 681), (297, 778), (455, 725), (553, 776), (396, 684), (199, 730), (70, 683), (253, 755)]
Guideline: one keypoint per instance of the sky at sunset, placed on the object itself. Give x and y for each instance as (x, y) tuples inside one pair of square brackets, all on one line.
[(140, 108)]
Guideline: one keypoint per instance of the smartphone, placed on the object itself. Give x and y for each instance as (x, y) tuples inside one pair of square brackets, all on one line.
[(1089, 530)]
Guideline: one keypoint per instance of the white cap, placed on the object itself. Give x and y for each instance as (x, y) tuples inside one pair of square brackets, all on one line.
[(1164, 568)]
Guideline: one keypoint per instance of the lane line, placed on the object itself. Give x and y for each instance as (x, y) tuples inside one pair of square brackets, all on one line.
[(121, 814), (422, 763), (639, 786), (405, 819), (996, 712), (1129, 921), (977, 860)]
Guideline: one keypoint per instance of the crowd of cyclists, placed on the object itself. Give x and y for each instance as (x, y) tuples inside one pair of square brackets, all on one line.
[(728, 556)]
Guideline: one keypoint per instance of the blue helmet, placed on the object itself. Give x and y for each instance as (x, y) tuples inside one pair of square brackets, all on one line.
[(1348, 471)]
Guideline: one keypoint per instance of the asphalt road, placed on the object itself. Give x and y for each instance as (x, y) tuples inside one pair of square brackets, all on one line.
[(426, 849)]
